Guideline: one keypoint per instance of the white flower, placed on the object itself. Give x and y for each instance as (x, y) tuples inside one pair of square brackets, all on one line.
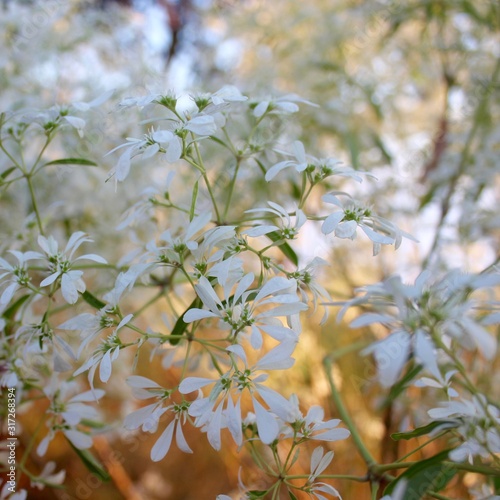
[(319, 462), (287, 229), (345, 221), (48, 478), (148, 417), (441, 383), (89, 325), (15, 276), (104, 355), (306, 280), (313, 426), (209, 411), (477, 422), (317, 168), (60, 264), (228, 93), (175, 247), (238, 313), (66, 414), (414, 313), (280, 105)]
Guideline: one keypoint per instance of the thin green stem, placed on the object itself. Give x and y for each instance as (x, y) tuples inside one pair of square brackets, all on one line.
[(346, 417), (39, 157), (441, 434), (34, 203), (30, 445), (205, 178), (231, 188), (150, 302)]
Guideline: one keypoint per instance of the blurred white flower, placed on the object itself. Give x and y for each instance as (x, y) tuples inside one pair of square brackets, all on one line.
[(66, 414)]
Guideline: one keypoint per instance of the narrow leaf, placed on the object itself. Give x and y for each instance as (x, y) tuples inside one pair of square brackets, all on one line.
[(72, 161), (400, 386), (180, 326), (11, 311), (193, 201), (92, 300), (427, 475), (92, 464), (284, 247), (7, 172), (425, 429)]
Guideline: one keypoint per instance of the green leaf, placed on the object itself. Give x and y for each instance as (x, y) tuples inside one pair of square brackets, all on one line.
[(92, 300), (425, 429), (259, 163), (221, 142), (7, 172), (92, 464), (284, 247), (427, 475), (92, 424), (193, 201), (10, 312), (180, 326), (496, 484), (401, 385), (72, 161), (255, 494), (292, 496)]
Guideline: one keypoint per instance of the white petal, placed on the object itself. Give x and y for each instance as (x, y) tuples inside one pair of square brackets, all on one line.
[(214, 427), (78, 439), (50, 279), (161, 447), (333, 435), (122, 168), (105, 367), (346, 229), (266, 423), (260, 109), (425, 353), (9, 292), (181, 440), (276, 169), (233, 417), (191, 384), (331, 222), (93, 257), (197, 314), (377, 237), (139, 382), (257, 231), (391, 354), (69, 288), (272, 286)]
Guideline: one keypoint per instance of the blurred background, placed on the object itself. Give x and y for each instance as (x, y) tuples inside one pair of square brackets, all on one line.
[(402, 88)]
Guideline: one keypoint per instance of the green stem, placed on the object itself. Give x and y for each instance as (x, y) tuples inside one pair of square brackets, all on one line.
[(231, 188), (28, 448), (205, 178), (150, 302), (441, 434), (344, 414), (39, 157), (34, 203)]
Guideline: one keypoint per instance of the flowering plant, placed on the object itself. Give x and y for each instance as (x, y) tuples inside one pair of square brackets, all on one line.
[(219, 236)]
